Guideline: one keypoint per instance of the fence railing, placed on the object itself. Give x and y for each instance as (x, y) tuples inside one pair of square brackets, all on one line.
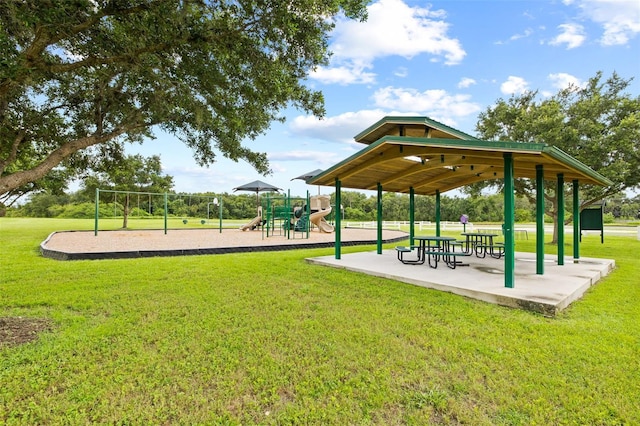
[(404, 224)]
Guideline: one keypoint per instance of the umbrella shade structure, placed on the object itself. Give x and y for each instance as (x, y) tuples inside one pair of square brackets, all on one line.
[(306, 176), (257, 186)]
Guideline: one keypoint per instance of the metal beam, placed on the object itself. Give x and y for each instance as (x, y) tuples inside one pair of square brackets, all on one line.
[(338, 244), (560, 221), (437, 213), (539, 219), (576, 222), (509, 221), (379, 203)]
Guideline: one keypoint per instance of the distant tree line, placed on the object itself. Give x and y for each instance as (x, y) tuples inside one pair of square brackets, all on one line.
[(357, 206)]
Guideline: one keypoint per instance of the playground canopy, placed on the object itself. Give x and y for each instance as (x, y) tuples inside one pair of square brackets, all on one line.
[(306, 176), (257, 186)]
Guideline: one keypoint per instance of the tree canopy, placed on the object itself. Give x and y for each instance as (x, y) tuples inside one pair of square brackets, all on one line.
[(78, 79), (598, 124)]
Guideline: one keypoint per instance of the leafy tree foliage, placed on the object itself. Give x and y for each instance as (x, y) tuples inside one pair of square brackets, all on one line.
[(78, 79), (599, 124)]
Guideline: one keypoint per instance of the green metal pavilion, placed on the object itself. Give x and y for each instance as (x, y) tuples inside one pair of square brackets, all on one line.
[(417, 155)]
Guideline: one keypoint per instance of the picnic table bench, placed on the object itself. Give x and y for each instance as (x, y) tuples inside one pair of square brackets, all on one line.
[(444, 249)]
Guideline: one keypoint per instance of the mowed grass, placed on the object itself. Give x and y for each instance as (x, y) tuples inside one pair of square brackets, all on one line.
[(265, 338)]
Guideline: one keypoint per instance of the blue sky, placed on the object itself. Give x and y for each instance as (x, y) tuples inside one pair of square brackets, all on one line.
[(448, 60)]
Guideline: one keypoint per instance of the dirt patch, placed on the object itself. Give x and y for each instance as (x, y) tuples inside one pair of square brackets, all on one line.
[(18, 330)]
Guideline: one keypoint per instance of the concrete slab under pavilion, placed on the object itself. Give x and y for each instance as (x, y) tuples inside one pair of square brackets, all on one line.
[(483, 279)]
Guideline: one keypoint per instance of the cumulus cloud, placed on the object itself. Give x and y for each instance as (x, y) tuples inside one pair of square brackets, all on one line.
[(392, 29), (437, 104), (572, 35), (525, 34), (466, 82), (514, 86), (318, 157), (343, 75), (339, 128), (563, 80), (620, 19)]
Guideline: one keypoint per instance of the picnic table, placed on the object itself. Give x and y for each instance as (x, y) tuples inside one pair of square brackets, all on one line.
[(482, 244), (432, 249)]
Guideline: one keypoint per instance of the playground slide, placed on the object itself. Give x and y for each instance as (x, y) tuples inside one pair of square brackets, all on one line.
[(317, 219), (251, 225)]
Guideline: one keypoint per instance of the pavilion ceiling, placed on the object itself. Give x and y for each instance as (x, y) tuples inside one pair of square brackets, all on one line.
[(427, 164)]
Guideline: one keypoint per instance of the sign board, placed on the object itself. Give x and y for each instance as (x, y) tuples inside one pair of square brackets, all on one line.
[(592, 219)]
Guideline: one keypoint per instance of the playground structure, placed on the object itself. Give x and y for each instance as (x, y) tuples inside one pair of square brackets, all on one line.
[(286, 216), (292, 217), (253, 223), (320, 206)]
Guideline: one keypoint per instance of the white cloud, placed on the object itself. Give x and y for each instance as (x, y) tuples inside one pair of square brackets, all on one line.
[(401, 72), (343, 75), (318, 157), (620, 19), (392, 29), (526, 34), (572, 35), (563, 80), (437, 104), (466, 82), (514, 86), (340, 128)]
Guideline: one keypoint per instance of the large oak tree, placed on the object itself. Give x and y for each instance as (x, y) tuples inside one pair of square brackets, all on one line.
[(597, 123), (78, 78)]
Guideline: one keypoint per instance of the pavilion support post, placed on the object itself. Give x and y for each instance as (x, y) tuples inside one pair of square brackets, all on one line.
[(338, 244), (539, 220), (576, 222), (437, 212), (379, 210), (412, 214), (560, 221), (509, 221)]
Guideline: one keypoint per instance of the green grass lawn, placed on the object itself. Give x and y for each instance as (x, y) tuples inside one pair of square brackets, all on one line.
[(265, 338)]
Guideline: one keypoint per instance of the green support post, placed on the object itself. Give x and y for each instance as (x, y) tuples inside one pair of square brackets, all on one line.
[(338, 245), (166, 205), (539, 220), (287, 205), (220, 212), (97, 213), (509, 221), (437, 212), (412, 215), (379, 213), (576, 222), (560, 209)]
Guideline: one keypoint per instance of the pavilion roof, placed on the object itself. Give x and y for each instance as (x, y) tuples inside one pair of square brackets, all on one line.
[(427, 164)]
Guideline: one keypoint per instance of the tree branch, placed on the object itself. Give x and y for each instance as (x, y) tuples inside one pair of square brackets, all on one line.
[(20, 178), (13, 152)]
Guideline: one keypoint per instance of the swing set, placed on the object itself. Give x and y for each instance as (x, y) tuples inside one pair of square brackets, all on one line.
[(145, 207)]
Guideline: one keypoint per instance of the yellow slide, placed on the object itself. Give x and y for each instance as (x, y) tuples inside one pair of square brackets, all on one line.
[(254, 222), (318, 220)]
